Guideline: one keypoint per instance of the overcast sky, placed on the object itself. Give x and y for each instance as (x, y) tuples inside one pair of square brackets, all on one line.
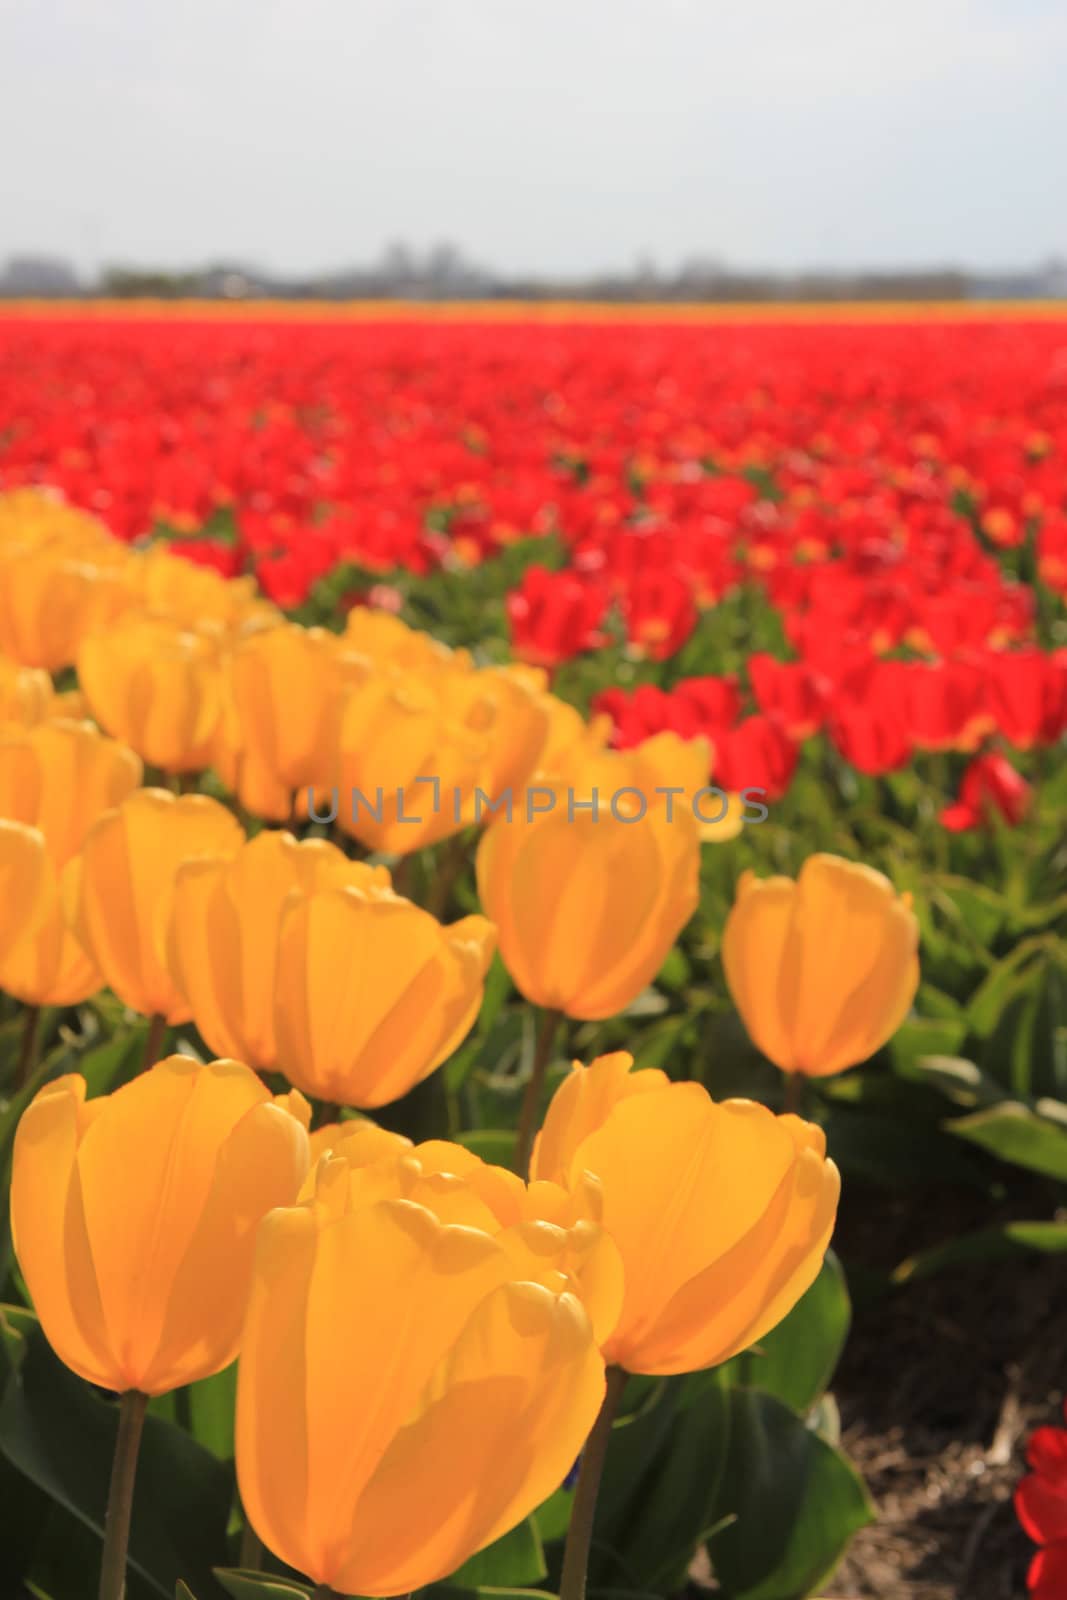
[(544, 135)]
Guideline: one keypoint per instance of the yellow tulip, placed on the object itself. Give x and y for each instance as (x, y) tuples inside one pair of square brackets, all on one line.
[(668, 759), (473, 1384), (23, 883), (61, 776), (156, 686), (190, 595), (226, 919), (823, 970), (48, 965), (587, 906), (722, 1213), (407, 770), (130, 858), (287, 685), (389, 642), (569, 737), (241, 767), (50, 599), (513, 718), (26, 694), (35, 516), (134, 1216), (373, 993)]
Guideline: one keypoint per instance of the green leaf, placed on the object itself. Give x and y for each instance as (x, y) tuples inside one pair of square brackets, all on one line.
[(1009, 978), (660, 1482), (183, 1592), (794, 1503), (517, 1557), (16, 1325), (553, 1515), (212, 1402), (980, 910), (260, 1586), (447, 1592), (796, 1360), (495, 1145), (958, 1080), (920, 1037), (987, 1244), (108, 1065), (61, 1436), (1017, 1134)]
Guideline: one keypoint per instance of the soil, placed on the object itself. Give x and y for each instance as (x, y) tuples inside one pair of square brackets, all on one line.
[(941, 1384)]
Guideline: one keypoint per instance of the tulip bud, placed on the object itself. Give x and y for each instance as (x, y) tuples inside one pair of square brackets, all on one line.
[(407, 770), (224, 930), (130, 861), (823, 970), (47, 965), (287, 685), (155, 685), (372, 993), (588, 902), (721, 1213), (60, 776), (50, 599), (134, 1216)]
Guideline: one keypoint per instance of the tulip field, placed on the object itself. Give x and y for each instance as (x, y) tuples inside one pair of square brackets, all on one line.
[(533, 953)]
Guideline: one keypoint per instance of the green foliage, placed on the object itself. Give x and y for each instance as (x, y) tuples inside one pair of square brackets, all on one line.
[(60, 1436)]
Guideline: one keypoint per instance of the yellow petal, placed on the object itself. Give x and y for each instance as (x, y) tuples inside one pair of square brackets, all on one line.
[(259, 1166), (24, 883), (503, 1424), (146, 1166), (53, 1257)]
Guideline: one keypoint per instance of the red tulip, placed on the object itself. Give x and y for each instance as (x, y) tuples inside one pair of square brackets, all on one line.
[(1041, 1506), (989, 785), (554, 616)]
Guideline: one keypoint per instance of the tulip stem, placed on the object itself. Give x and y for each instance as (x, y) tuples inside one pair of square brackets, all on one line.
[(251, 1557), (531, 1100), (28, 1048), (580, 1533), (452, 861), (153, 1045), (794, 1093), (132, 1406)]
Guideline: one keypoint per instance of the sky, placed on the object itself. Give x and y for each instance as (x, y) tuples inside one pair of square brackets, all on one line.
[(540, 136)]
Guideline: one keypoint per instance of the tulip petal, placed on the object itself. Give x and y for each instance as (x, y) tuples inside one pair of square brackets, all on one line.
[(259, 1167), (51, 1253), (146, 1166), (705, 1176), (390, 1291), (745, 1293), (503, 1423)]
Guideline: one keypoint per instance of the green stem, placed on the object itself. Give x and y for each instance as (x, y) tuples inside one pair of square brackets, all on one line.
[(453, 860), (251, 1556), (132, 1406), (531, 1100), (326, 1111), (404, 877), (153, 1045), (28, 1048), (794, 1093), (583, 1512)]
